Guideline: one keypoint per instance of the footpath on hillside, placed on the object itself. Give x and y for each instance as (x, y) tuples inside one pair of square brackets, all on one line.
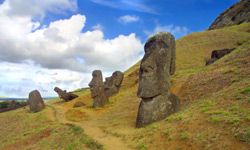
[(107, 140)]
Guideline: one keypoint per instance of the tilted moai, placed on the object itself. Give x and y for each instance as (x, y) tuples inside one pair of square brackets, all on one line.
[(35, 101), (97, 89), (156, 67), (112, 84), (66, 96)]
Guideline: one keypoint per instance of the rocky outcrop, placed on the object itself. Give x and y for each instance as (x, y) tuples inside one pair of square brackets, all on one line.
[(35, 101), (217, 54), (236, 14), (156, 67), (66, 96), (97, 89), (112, 84)]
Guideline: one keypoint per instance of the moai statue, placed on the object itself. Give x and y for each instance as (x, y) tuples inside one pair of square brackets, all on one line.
[(35, 101), (66, 96), (112, 84), (156, 67), (97, 89)]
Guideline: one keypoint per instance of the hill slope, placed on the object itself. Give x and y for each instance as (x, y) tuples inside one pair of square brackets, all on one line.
[(215, 106), (236, 14)]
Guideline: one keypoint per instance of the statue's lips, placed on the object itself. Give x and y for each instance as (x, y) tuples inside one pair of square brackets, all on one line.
[(149, 98)]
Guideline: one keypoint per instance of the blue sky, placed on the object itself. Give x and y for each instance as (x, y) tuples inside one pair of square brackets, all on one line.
[(60, 42), (196, 15)]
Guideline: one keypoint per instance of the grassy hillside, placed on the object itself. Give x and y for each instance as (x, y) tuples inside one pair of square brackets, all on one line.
[(215, 106)]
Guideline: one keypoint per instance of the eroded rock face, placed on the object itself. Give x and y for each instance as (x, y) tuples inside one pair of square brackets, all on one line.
[(66, 96), (35, 101), (236, 14), (112, 84), (97, 89), (156, 67)]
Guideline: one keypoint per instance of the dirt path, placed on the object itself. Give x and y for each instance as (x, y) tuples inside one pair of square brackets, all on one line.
[(108, 141)]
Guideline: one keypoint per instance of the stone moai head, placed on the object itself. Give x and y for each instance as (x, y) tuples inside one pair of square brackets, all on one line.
[(118, 77), (96, 84), (157, 65), (35, 101), (112, 84), (97, 89), (58, 90)]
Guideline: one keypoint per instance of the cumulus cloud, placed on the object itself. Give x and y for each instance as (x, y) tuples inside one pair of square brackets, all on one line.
[(98, 27), (61, 45), (177, 31), (128, 19), (38, 8), (18, 80)]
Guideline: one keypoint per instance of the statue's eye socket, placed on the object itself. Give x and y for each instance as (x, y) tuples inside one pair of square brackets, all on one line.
[(147, 69)]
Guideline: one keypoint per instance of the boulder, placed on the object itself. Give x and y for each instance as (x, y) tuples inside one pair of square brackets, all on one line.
[(97, 89), (156, 67), (63, 94), (217, 54), (112, 84), (35, 101)]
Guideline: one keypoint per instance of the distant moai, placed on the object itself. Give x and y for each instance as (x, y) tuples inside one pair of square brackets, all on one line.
[(35, 101), (112, 84), (156, 67), (97, 89), (66, 96)]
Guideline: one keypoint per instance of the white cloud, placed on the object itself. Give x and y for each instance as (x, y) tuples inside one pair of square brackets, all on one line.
[(98, 27), (18, 80), (38, 8), (128, 19), (60, 45), (177, 31)]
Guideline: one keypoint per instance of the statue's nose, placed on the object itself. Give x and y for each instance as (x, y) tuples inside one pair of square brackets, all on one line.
[(91, 84)]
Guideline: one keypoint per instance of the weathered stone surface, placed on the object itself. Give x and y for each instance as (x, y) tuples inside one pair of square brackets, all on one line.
[(112, 84), (66, 96), (78, 104), (97, 89), (217, 54), (35, 101), (236, 14), (156, 67)]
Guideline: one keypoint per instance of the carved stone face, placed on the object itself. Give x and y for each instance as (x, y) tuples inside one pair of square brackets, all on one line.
[(118, 77), (156, 66), (112, 84), (96, 84)]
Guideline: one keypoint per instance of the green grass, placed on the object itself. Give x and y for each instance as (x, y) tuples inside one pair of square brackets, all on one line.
[(141, 146), (19, 126), (184, 135), (246, 91), (90, 143)]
